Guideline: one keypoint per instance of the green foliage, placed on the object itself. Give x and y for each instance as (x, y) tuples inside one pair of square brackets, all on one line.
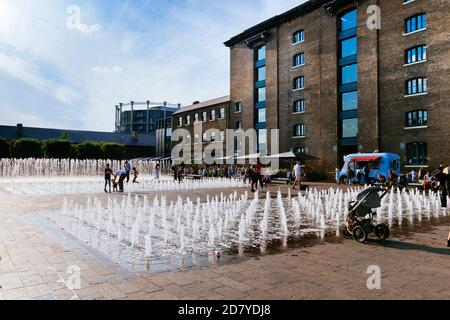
[(26, 148), (65, 136), (4, 148), (90, 150), (59, 149), (113, 151)]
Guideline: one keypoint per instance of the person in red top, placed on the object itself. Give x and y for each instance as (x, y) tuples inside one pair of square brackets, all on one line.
[(108, 173), (258, 174)]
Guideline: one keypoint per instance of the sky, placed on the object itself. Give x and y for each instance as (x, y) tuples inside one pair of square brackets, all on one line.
[(66, 64)]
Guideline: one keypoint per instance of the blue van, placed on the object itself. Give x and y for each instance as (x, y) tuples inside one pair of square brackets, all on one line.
[(379, 163)]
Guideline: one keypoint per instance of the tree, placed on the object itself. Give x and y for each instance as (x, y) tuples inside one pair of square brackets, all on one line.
[(65, 136), (26, 148)]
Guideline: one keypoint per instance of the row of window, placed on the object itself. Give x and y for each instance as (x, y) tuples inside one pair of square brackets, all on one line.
[(204, 115), (212, 137), (416, 152), (348, 76), (260, 99)]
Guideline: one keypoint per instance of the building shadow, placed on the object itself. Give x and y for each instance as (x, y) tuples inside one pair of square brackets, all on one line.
[(408, 246)]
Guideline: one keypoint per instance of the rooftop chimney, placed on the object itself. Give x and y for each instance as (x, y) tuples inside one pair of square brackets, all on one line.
[(196, 102)]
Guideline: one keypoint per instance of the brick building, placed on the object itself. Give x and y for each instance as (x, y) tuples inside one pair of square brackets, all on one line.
[(335, 84), (206, 123)]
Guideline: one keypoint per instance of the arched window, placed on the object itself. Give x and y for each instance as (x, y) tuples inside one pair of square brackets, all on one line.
[(417, 118), (416, 23), (298, 36), (299, 106), (416, 54), (417, 154), (299, 130), (416, 86)]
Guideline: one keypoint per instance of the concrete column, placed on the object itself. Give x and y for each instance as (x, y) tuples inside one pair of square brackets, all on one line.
[(148, 116), (165, 129), (132, 117), (120, 116)]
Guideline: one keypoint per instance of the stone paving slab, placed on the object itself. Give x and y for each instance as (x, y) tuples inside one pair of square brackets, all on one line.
[(414, 265)]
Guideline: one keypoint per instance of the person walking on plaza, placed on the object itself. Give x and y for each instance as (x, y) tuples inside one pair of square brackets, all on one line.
[(298, 176), (253, 176), (108, 173), (127, 168)]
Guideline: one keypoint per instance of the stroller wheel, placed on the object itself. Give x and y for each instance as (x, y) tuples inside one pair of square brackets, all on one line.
[(359, 234), (382, 231)]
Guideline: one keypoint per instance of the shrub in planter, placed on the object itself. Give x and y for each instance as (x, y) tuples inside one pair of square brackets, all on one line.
[(26, 148), (58, 149), (89, 150), (4, 148), (113, 151)]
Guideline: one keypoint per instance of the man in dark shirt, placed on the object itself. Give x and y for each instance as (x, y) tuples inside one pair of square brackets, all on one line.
[(441, 177), (108, 173)]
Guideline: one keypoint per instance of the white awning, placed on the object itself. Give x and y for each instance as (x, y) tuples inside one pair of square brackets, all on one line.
[(250, 156), (286, 155)]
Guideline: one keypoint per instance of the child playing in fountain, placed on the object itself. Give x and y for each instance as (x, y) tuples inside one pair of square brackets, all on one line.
[(108, 173), (135, 175)]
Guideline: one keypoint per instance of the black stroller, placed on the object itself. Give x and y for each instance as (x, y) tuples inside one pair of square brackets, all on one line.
[(360, 222)]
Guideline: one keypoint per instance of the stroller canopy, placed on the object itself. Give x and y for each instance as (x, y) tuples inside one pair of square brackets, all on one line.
[(370, 197)]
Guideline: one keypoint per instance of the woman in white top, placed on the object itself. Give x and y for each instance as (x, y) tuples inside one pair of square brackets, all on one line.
[(157, 171), (298, 176)]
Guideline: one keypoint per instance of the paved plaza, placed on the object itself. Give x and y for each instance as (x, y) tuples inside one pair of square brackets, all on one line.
[(414, 264)]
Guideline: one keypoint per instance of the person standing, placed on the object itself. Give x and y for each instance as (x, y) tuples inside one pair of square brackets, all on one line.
[(366, 174), (441, 178), (127, 168), (108, 173), (358, 176), (298, 176), (253, 178), (338, 175), (157, 171), (175, 172)]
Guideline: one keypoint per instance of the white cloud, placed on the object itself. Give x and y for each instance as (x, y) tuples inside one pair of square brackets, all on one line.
[(25, 71), (105, 70), (141, 50)]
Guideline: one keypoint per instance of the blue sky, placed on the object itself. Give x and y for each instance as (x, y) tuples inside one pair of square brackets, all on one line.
[(55, 72)]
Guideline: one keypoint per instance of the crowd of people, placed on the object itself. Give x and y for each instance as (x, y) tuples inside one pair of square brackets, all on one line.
[(116, 179), (255, 175)]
